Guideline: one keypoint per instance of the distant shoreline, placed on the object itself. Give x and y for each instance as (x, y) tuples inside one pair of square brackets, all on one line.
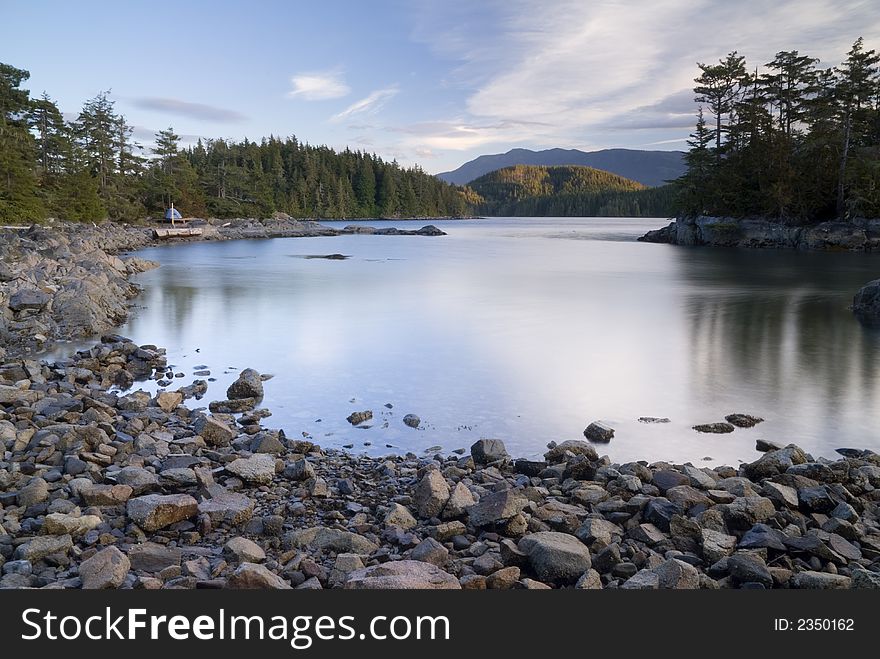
[(860, 235)]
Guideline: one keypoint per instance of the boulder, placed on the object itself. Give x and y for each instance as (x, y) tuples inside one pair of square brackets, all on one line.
[(556, 557), (573, 446), (458, 503), (152, 557), (250, 576), (169, 400), (28, 298), (402, 575), (820, 580), (44, 545), (599, 432), (242, 550), (299, 470), (106, 569), (715, 428), (677, 575), (357, 418), (430, 551), (743, 420), (248, 385), (486, 451), (65, 524), (227, 507), (213, 431), (431, 494), (258, 469), (156, 511), (497, 507), (138, 479), (412, 420), (399, 515)]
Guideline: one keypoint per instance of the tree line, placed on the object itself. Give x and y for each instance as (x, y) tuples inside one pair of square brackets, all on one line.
[(566, 191), (92, 168), (790, 140)]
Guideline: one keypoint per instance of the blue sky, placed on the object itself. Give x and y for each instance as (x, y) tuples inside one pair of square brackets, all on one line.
[(429, 82)]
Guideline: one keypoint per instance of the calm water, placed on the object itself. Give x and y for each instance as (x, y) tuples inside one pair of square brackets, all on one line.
[(527, 330)]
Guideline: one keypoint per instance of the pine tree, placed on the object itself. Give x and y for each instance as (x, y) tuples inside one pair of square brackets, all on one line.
[(19, 201), (718, 86)]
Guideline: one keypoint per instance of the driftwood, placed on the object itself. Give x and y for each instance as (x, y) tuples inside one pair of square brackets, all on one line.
[(177, 233)]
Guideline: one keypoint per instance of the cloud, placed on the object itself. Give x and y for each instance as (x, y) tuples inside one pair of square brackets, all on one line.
[(200, 111), (610, 73), (369, 104), (318, 86)]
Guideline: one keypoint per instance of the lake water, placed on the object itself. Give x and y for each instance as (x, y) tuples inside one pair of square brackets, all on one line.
[(527, 330)]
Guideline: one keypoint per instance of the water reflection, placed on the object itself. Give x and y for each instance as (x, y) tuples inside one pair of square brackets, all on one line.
[(527, 330)]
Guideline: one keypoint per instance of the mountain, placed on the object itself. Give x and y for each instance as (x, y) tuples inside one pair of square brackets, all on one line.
[(650, 168), (573, 191)]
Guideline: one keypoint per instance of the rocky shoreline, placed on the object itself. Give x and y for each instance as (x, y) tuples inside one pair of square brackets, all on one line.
[(106, 486), (858, 235), (71, 281)]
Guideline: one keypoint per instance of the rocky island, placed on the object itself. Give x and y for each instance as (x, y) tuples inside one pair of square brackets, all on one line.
[(103, 485)]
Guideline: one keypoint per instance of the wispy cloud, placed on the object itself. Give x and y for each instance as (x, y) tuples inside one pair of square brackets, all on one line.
[(595, 74), (369, 104), (318, 86), (200, 111)]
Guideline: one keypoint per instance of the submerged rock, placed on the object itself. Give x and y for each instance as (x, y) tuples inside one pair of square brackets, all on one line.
[(866, 303), (716, 428), (599, 432)]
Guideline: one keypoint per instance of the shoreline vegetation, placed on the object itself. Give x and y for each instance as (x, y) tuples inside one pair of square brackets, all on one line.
[(103, 485)]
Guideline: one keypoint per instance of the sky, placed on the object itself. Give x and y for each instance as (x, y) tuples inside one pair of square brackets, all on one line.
[(428, 82)]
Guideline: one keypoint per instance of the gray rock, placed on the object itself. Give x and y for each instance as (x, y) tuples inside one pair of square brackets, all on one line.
[(259, 468), (556, 557), (106, 569), (642, 580), (36, 491), (248, 385), (715, 428), (138, 479), (496, 507), (862, 578), (743, 420), (573, 446), (44, 545), (67, 524), (214, 431), (716, 545), (590, 580), (299, 470), (460, 500), (599, 432), (250, 576), (820, 581), (677, 575), (431, 494), (227, 507), (486, 451), (152, 557), (402, 575), (749, 568), (430, 551), (156, 511), (412, 420), (242, 550), (28, 298), (335, 540), (357, 418), (400, 516)]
